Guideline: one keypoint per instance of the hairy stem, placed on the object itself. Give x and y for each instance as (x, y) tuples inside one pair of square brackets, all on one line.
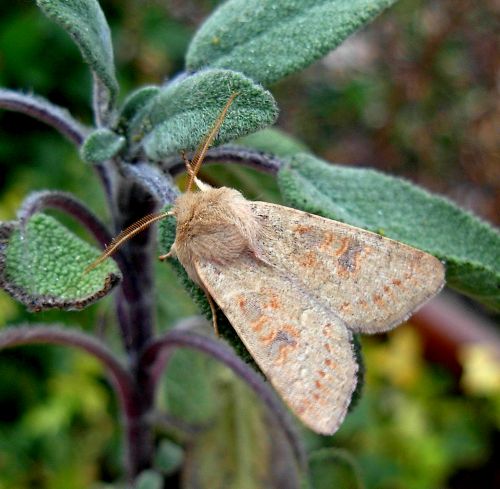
[(134, 404), (39, 108), (67, 203), (239, 155)]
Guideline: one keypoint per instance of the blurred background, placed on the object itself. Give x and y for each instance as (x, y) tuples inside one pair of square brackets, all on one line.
[(414, 94)]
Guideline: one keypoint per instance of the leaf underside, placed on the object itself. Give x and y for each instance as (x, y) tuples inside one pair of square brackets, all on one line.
[(42, 266), (269, 39), (399, 210)]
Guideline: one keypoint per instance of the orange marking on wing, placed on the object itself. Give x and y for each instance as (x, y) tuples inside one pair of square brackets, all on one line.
[(327, 241), (308, 260), (344, 246), (321, 373), (330, 363), (302, 229), (283, 353), (348, 256), (273, 303), (396, 282), (259, 324), (269, 338), (344, 306), (241, 301), (377, 299), (327, 347), (318, 384), (290, 329)]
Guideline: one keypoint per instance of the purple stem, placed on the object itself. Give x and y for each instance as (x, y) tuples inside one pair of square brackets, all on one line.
[(128, 392), (67, 203), (241, 155), (60, 335), (43, 110), (157, 349)]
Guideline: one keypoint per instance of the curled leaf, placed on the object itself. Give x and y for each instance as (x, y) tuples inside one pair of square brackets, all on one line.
[(42, 264)]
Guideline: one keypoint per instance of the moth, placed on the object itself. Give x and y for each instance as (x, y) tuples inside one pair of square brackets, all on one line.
[(296, 287)]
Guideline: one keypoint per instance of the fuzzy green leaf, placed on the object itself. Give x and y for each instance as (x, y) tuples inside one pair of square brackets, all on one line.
[(101, 145), (269, 39), (168, 457), (166, 237), (185, 111), (149, 479), (331, 467), (399, 210), (84, 21), (134, 104), (42, 266), (244, 443)]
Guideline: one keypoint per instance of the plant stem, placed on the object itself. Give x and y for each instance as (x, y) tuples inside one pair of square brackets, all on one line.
[(157, 351), (43, 110), (239, 155)]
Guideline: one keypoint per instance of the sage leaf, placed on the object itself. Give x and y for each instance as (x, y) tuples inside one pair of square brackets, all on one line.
[(42, 266), (84, 21), (399, 210), (183, 113), (269, 39), (149, 479), (249, 450), (101, 145)]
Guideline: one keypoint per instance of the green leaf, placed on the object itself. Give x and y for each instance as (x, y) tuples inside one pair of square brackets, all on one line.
[(246, 448), (101, 145), (166, 237), (399, 210), (184, 112), (84, 21), (149, 479), (168, 457), (269, 39), (275, 141), (331, 467), (42, 266), (134, 104)]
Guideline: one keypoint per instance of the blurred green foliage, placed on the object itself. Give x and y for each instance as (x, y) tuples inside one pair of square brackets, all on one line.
[(413, 94)]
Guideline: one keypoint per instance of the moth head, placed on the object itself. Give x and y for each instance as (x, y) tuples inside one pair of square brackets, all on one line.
[(192, 167)]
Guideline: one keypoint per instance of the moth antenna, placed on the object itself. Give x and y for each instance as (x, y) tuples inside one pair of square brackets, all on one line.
[(202, 149), (187, 163), (126, 234)]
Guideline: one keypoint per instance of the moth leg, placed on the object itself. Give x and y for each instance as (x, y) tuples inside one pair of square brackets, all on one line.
[(168, 255), (214, 313)]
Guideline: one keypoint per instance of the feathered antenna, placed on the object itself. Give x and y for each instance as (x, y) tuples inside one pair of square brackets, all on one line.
[(192, 168), (202, 149), (126, 234)]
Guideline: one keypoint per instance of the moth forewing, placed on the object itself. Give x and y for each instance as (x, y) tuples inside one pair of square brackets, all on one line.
[(304, 350), (371, 282), (297, 289)]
